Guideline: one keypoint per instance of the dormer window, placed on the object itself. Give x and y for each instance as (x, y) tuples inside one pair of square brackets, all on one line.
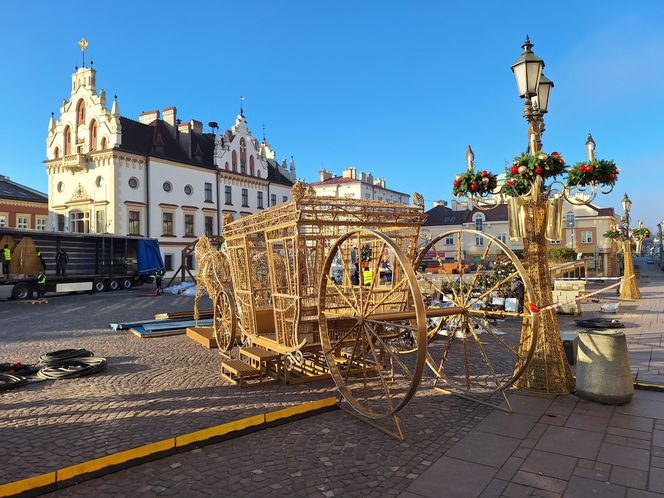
[(479, 222)]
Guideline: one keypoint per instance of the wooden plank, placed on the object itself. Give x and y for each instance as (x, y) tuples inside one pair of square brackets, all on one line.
[(203, 336)]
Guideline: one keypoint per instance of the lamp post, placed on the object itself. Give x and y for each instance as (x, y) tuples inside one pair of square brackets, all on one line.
[(535, 195), (629, 290)]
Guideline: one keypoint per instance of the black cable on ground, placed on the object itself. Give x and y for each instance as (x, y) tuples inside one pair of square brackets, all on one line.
[(10, 381), (70, 368), (63, 354)]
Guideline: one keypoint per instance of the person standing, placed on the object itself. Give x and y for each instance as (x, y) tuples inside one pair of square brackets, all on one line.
[(6, 259), (61, 260), (158, 280), (41, 285)]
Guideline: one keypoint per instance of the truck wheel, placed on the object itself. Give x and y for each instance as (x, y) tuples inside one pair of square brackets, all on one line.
[(98, 286), (22, 291), (113, 285), (126, 283)]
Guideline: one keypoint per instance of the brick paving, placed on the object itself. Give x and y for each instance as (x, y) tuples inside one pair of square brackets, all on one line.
[(550, 446)]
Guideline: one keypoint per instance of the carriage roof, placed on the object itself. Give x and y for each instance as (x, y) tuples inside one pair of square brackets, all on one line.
[(335, 212)]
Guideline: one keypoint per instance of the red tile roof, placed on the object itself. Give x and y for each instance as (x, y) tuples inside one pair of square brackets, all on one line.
[(332, 181)]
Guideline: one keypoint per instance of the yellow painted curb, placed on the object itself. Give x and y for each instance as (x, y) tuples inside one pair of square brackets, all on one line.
[(40, 481), (303, 408), (114, 459), (13, 488), (219, 430)]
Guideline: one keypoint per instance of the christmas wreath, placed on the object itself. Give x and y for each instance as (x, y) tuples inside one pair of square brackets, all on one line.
[(613, 235), (526, 168), (640, 233), (470, 182), (589, 172)]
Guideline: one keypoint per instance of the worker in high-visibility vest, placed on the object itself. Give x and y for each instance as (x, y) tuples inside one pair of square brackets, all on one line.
[(41, 285), (6, 259), (366, 276)]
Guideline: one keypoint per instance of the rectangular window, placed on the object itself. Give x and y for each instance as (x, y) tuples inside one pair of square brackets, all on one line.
[(79, 221), (208, 192), (61, 223), (245, 197), (449, 240), (479, 223), (22, 222), (100, 221), (273, 199), (503, 238), (229, 195), (190, 261), (3, 220), (284, 198), (188, 225), (168, 262), (555, 242), (586, 237), (209, 226), (479, 241), (167, 223), (243, 168), (259, 200), (134, 223)]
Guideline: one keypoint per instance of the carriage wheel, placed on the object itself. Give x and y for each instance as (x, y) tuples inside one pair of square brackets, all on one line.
[(224, 321), (362, 313), (476, 351)]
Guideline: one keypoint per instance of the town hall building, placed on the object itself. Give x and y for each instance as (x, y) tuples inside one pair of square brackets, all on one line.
[(157, 176)]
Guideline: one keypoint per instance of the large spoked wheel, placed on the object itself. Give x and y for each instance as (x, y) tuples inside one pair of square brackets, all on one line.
[(224, 321), (368, 299), (478, 350)]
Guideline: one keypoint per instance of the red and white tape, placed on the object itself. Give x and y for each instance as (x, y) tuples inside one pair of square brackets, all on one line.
[(536, 309)]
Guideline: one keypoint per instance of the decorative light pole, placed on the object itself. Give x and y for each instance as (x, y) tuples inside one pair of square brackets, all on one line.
[(535, 215), (630, 240)]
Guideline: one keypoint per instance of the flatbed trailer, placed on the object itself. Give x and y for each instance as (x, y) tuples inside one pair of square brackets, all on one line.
[(96, 262)]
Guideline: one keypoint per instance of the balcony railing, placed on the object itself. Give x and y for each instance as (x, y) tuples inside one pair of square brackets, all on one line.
[(75, 162)]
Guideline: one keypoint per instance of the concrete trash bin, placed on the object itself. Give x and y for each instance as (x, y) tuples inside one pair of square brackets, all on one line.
[(602, 367)]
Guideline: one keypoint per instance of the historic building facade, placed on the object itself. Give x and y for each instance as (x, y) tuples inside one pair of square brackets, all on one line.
[(583, 229), (156, 176), (362, 186), (21, 206)]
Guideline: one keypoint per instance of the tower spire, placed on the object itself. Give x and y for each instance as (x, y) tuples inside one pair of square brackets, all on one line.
[(241, 109), (84, 46)]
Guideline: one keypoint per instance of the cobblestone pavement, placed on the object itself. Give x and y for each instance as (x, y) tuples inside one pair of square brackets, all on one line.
[(151, 389)]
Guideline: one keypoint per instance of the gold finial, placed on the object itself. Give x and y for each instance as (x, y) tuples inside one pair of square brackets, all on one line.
[(418, 200), (470, 157), (590, 145), (84, 46)]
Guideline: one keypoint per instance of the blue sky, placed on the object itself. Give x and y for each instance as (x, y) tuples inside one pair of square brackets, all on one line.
[(396, 88)]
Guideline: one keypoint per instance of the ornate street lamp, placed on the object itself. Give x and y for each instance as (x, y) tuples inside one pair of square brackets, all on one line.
[(534, 190), (629, 289)]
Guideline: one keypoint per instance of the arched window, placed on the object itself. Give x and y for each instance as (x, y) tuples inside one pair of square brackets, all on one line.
[(93, 135), (226, 167), (259, 173), (80, 113), (234, 160), (67, 141), (251, 165), (479, 222), (243, 151), (104, 143), (56, 153)]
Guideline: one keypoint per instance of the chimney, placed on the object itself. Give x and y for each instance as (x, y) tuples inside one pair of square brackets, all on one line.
[(169, 115), (148, 117), (196, 126), (370, 179), (353, 172), (347, 173), (363, 176), (185, 137), (324, 175), (439, 203)]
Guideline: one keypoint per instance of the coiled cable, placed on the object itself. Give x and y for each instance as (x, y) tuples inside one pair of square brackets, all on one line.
[(70, 368)]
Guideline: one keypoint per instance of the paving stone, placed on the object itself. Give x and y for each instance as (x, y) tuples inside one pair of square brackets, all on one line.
[(580, 487), (647, 436), (627, 457), (452, 477), (509, 468), (631, 422), (515, 490), (639, 493), (587, 422), (494, 489), (571, 442), (539, 481), (630, 478), (656, 481), (484, 448), (507, 424), (549, 464)]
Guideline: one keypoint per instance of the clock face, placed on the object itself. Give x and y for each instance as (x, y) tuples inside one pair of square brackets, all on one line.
[(81, 133)]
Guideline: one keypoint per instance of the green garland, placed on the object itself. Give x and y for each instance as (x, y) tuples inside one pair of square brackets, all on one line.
[(613, 235), (640, 233), (601, 171), (525, 168), (471, 182)]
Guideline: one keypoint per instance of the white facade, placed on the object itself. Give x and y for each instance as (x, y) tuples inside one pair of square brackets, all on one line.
[(362, 186), (155, 177)]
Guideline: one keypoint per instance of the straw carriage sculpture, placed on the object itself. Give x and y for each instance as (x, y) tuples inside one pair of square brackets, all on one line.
[(327, 286)]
